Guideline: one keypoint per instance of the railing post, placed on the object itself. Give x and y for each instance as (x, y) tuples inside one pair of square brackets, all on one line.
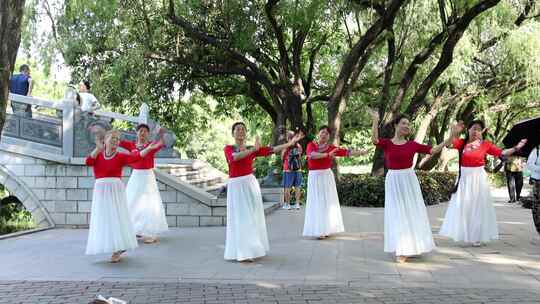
[(68, 122), (144, 113)]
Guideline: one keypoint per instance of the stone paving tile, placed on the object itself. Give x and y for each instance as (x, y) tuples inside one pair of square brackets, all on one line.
[(40, 292)]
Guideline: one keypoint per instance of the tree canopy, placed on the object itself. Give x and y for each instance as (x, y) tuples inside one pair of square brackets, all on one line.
[(299, 64)]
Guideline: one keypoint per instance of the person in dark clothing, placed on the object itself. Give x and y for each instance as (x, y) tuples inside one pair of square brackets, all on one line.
[(513, 169), (21, 84)]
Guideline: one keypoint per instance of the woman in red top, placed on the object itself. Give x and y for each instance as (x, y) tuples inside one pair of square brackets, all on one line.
[(246, 237), (323, 213), (470, 216), (407, 231), (111, 229), (143, 197)]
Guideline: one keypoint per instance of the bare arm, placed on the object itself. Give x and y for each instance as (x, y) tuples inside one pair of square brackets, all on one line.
[(30, 86), (508, 152), (359, 152), (318, 155), (455, 130), (99, 147), (289, 144), (149, 148), (243, 154)]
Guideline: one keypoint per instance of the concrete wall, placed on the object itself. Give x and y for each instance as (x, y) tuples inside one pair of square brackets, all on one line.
[(64, 191)]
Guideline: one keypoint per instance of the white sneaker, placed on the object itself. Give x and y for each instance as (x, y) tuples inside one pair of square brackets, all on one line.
[(286, 206), (297, 206)]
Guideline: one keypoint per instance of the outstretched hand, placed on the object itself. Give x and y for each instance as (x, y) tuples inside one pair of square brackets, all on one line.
[(257, 144), (154, 145), (521, 143), (374, 114), (298, 137), (100, 144), (457, 128)]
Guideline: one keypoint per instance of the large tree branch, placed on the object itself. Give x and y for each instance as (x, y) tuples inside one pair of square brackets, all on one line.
[(283, 54), (412, 69), (195, 33), (360, 48), (256, 93), (524, 15), (312, 58), (456, 31)]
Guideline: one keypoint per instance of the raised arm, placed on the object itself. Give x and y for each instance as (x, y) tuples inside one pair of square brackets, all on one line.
[(235, 156), (150, 148), (510, 151), (289, 144), (30, 86), (91, 158), (455, 130), (374, 126)]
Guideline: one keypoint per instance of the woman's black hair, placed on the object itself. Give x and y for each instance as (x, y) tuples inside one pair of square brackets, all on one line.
[(86, 83), (238, 123), (142, 125), (325, 127), (460, 151), (398, 118)]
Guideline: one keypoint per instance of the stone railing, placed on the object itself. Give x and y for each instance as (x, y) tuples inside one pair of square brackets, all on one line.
[(69, 131), (41, 129)]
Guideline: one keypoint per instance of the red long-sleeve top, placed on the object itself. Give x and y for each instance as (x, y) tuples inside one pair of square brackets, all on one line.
[(475, 155), (112, 167), (147, 162), (325, 162), (397, 157), (243, 166)]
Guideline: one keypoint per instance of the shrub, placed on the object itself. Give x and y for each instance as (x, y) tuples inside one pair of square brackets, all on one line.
[(497, 179), (364, 190), (13, 217)]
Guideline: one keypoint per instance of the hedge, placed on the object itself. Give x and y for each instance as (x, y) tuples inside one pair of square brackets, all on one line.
[(364, 190)]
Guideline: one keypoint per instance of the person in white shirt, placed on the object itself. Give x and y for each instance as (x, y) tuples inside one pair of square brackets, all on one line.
[(533, 164), (89, 102)]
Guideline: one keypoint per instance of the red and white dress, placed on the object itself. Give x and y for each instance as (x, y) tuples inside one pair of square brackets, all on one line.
[(323, 212), (143, 198), (407, 230), (246, 226), (110, 229), (470, 216)]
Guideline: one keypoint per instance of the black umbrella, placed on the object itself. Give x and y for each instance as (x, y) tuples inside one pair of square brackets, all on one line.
[(529, 129)]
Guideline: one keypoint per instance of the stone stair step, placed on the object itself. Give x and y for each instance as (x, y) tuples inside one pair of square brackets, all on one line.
[(270, 207)]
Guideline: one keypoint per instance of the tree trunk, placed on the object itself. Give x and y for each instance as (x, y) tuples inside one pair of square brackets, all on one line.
[(11, 14)]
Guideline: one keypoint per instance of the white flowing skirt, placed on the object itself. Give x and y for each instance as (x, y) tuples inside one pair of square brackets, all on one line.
[(246, 226), (110, 226), (470, 216), (406, 224), (144, 203), (323, 213)]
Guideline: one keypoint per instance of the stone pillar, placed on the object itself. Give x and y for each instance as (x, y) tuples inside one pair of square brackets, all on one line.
[(68, 109)]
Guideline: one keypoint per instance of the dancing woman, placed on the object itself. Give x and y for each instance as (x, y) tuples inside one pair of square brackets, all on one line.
[(143, 197), (470, 216), (111, 229), (407, 231), (323, 213), (246, 237)]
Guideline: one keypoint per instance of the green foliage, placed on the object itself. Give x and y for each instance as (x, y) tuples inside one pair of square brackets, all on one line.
[(133, 54), (13, 218), (497, 179), (364, 190)]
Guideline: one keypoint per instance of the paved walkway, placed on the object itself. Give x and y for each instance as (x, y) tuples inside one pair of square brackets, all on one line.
[(349, 268)]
